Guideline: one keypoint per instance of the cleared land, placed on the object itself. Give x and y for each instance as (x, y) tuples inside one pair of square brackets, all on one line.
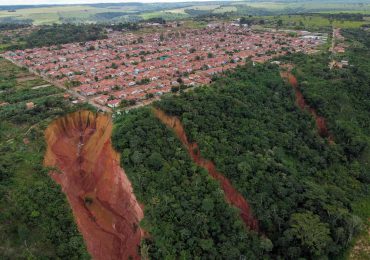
[(48, 15), (313, 22), (87, 13)]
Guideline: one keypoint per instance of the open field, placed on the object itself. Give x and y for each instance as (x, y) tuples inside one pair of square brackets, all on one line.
[(224, 9), (314, 22), (88, 13), (269, 8), (167, 15), (303, 7), (48, 15)]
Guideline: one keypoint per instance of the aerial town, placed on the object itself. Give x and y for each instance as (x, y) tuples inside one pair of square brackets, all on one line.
[(130, 68), (197, 129)]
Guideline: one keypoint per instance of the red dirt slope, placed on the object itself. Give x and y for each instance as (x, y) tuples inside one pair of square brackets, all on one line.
[(99, 193), (231, 194), (302, 104)]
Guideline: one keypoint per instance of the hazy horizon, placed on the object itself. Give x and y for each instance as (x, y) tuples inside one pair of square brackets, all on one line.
[(62, 2)]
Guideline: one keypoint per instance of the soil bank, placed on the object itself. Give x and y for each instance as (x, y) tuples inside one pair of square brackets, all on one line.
[(302, 104), (98, 191)]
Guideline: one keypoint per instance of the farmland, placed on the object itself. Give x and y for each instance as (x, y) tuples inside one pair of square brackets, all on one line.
[(312, 22), (58, 14), (171, 11)]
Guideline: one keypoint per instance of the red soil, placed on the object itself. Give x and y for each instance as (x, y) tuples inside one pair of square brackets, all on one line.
[(98, 191), (231, 194), (302, 104)]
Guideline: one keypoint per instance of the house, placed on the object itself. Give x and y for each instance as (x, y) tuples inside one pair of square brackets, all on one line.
[(102, 99), (113, 103), (162, 62)]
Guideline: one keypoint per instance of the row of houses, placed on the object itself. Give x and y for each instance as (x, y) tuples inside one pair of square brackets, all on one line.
[(141, 66)]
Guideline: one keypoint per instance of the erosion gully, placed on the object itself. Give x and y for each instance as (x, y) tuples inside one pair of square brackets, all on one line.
[(231, 194), (302, 104), (98, 191)]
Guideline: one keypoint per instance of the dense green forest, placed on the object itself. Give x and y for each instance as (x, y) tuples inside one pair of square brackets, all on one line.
[(298, 185), (341, 95), (309, 194), (57, 34), (185, 211), (65, 33), (35, 221), (12, 26)]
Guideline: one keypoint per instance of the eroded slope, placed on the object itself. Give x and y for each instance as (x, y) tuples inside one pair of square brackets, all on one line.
[(105, 208), (231, 194)]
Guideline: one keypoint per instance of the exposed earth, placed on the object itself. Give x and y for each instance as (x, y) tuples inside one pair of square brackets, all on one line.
[(98, 191)]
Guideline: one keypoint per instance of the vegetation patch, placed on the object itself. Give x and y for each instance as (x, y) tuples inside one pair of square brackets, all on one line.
[(36, 221)]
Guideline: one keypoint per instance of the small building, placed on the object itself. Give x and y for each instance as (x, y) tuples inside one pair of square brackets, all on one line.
[(113, 103)]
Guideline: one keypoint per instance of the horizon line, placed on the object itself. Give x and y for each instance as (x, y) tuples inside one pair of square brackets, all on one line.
[(120, 2)]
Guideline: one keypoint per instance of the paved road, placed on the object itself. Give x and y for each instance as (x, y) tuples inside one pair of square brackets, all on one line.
[(84, 98)]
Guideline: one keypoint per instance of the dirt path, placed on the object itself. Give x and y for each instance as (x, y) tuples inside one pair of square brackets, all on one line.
[(231, 194), (98, 191)]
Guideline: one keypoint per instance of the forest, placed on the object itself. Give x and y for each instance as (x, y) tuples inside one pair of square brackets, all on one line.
[(64, 33), (308, 193), (341, 95), (185, 211), (12, 26)]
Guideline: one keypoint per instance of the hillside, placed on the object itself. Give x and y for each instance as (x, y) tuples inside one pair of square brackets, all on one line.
[(221, 138), (303, 188)]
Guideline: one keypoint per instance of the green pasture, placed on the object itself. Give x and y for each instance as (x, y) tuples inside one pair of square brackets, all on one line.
[(85, 13), (164, 14), (49, 15), (312, 22)]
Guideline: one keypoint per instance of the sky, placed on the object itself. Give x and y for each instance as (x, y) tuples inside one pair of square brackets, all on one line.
[(37, 2)]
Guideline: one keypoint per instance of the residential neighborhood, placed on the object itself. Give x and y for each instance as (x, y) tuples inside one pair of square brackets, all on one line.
[(136, 67)]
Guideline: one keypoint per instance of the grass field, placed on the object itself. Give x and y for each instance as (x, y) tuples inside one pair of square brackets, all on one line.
[(312, 22), (167, 15), (182, 10), (224, 9), (48, 15), (312, 6), (85, 13)]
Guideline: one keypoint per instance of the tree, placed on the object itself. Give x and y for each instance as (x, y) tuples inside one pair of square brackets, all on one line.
[(123, 103), (114, 66), (310, 233), (155, 161), (279, 23), (175, 89)]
